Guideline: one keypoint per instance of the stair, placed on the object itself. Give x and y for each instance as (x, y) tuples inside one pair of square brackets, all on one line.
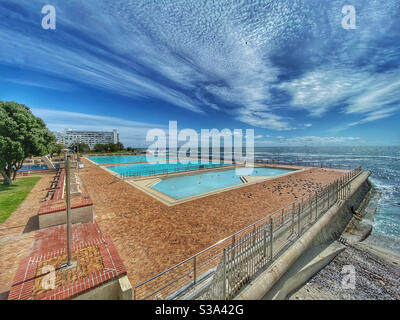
[(48, 162)]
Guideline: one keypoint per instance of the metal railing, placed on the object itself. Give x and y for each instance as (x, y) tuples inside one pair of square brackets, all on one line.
[(170, 169), (219, 271), (174, 169), (301, 163)]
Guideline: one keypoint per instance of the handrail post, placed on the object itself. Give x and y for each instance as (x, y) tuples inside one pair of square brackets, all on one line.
[(194, 269), (298, 221), (233, 246), (329, 194), (224, 276), (316, 205), (293, 210), (265, 241), (68, 196), (271, 229), (341, 188)]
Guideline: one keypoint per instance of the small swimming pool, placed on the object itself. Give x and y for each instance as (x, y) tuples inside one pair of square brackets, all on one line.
[(124, 159), (36, 167), (147, 169), (191, 185)]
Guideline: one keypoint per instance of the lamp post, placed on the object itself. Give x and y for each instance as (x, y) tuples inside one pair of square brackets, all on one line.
[(78, 159), (79, 141), (70, 263)]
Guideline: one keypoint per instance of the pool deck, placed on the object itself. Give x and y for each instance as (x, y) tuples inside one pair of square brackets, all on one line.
[(151, 236)]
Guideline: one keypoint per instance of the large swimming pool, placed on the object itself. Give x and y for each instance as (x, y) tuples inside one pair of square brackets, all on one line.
[(124, 159), (191, 185), (147, 169)]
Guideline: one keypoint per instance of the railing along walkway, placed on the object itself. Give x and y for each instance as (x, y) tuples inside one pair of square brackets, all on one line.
[(219, 271)]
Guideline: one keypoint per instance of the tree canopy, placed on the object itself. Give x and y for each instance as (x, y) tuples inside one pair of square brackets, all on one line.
[(109, 147), (22, 135), (80, 146)]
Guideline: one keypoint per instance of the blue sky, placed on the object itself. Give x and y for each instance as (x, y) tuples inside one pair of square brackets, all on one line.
[(285, 68)]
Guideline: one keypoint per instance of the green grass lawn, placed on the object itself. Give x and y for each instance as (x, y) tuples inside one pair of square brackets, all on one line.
[(12, 196)]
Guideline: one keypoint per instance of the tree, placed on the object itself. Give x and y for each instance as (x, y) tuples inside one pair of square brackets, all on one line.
[(99, 147), (22, 135), (119, 146), (80, 146), (109, 147), (57, 148)]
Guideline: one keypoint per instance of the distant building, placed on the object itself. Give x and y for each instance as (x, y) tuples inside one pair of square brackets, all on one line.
[(91, 138)]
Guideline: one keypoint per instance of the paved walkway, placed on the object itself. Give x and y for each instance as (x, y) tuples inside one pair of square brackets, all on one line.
[(151, 236)]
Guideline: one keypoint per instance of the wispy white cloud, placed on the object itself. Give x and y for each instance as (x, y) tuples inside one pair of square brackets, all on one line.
[(381, 101), (320, 90), (375, 115), (264, 120)]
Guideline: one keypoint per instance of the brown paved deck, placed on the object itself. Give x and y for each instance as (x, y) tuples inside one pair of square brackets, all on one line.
[(151, 236)]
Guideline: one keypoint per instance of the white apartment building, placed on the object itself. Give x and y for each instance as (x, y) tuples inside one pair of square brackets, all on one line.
[(91, 138)]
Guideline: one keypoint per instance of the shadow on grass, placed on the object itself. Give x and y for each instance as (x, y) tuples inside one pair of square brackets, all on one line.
[(4, 187)]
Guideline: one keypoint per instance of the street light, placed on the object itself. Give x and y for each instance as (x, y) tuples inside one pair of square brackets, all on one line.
[(70, 264)]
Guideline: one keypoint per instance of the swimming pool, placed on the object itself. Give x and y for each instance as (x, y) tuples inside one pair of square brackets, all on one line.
[(147, 169), (124, 159), (191, 185), (36, 167)]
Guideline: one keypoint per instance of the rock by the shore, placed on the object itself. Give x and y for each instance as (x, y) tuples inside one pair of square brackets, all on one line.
[(377, 274)]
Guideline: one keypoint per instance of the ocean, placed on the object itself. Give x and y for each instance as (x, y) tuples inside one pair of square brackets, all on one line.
[(384, 164)]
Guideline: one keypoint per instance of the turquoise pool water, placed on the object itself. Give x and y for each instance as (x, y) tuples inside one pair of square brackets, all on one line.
[(146, 169), (124, 159), (36, 167), (190, 185)]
